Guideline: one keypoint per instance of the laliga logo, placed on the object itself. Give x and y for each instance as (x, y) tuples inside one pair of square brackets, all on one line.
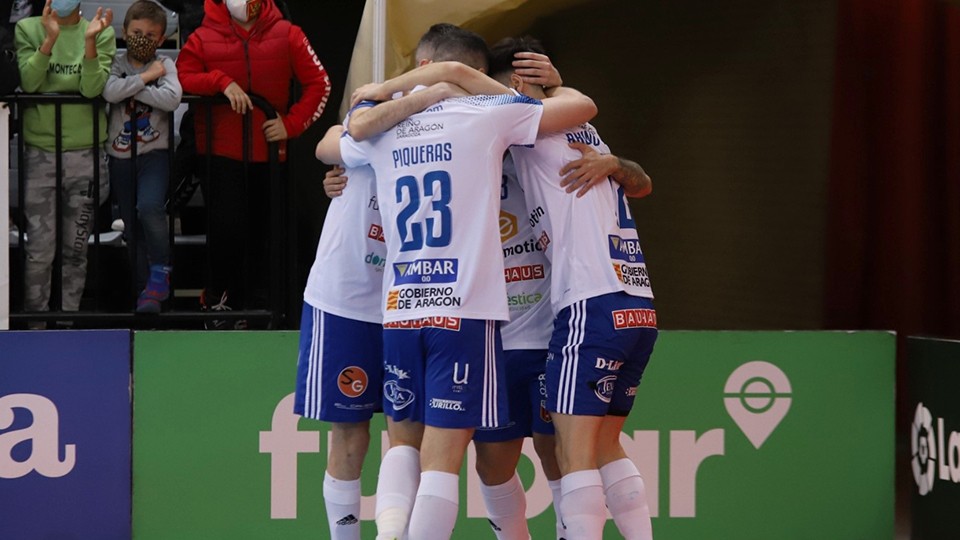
[(923, 449), (926, 444), (757, 397)]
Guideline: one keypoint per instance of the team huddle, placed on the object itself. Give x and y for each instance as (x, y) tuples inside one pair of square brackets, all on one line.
[(478, 278)]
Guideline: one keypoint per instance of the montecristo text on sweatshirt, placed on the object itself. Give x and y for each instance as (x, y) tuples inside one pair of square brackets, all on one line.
[(65, 71)]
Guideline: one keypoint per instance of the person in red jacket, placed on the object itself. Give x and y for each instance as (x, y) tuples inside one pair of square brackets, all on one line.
[(245, 47)]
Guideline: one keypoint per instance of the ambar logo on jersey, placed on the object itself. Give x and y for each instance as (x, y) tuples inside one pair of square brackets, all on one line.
[(425, 271), (625, 249)]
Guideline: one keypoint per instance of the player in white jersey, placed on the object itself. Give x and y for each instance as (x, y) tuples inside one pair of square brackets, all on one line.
[(446, 183), (605, 326), (340, 367)]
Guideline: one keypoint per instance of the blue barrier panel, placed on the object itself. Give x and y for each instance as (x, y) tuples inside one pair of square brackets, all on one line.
[(65, 435)]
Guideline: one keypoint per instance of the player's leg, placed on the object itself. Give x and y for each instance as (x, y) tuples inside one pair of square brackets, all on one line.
[(622, 483), (503, 494), (339, 380), (498, 450), (580, 374), (403, 399), (341, 481), (399, 478), (581, 486), (545, 440), (623, 487), (465, 388), (546, 447)]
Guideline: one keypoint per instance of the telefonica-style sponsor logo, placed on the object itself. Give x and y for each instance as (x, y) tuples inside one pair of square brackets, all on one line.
[(934, 452), (42, 434), (757, 397)]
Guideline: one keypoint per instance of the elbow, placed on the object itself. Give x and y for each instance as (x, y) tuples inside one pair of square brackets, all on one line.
[(359, 131), (645, 188), (589, 109)]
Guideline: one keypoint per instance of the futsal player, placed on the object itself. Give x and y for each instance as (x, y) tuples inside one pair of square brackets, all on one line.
[(444, 298)]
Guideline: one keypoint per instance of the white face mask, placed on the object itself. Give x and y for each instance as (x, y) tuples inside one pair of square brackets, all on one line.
[(244, 10)]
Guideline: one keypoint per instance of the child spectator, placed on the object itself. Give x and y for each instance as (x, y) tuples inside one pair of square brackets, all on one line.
[(142, 89), (61, 52), (246, 47)]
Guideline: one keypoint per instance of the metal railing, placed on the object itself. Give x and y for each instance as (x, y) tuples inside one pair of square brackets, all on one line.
[(97, 310)]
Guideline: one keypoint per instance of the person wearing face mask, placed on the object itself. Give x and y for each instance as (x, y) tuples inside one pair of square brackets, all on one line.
[(245, 47), (143, 87), (61, 52)]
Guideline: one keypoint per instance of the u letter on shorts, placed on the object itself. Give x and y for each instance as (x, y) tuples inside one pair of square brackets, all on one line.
[(444, 372), (598, 352), (340, 368)]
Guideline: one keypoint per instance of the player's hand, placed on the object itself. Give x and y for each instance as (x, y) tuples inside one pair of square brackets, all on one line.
[(49, 21), (334, 182), (275, 130), (100, 21), (536, 68), (370, 91), (239, 100), (591, 169)]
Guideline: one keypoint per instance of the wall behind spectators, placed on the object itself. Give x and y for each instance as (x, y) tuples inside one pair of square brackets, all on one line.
[(727, 105)]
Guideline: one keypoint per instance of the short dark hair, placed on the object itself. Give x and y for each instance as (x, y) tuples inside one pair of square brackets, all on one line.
[(428, 41), (463, 46), (146, 9), (502, 53)]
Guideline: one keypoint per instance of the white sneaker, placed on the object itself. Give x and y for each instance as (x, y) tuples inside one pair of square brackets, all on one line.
[(117, 225)]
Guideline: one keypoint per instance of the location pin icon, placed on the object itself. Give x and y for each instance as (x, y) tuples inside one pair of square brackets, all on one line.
[(757, 397)]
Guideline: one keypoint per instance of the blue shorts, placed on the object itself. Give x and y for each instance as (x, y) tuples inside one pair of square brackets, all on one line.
[(340, 368), (444, 372), (527, 392), (598, 352)]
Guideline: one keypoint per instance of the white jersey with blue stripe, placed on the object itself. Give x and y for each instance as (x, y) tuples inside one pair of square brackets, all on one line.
[(438, 176), (591, 241), (526, 269), (347, 273)]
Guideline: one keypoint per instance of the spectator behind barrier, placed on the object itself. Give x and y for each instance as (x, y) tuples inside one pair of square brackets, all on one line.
[(61, 52), (143, 88), (246, 47)]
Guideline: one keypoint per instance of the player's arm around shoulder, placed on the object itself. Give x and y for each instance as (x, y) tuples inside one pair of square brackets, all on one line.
[(371, 121), (328, 149), (592, 168), (565, 108)]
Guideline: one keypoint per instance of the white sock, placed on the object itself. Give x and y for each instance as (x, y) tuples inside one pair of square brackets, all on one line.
[(555, 491), (581, 504), (396, 490), (627, 499), (438, 502), (342, 500), (507, 508)]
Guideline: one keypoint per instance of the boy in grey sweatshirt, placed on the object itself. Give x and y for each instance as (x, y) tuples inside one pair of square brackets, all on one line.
[(142, 89)]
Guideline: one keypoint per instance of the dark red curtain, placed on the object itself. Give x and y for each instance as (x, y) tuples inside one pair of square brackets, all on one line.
[(893, 224)]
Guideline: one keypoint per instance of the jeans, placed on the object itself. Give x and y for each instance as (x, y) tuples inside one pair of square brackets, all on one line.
[(146, 190)]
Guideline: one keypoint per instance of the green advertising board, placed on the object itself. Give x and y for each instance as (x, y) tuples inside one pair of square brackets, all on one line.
[(748, 435)]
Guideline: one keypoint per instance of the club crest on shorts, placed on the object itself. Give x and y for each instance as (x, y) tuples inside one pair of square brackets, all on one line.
[(604, 388), (400, 397), (352, 381)]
